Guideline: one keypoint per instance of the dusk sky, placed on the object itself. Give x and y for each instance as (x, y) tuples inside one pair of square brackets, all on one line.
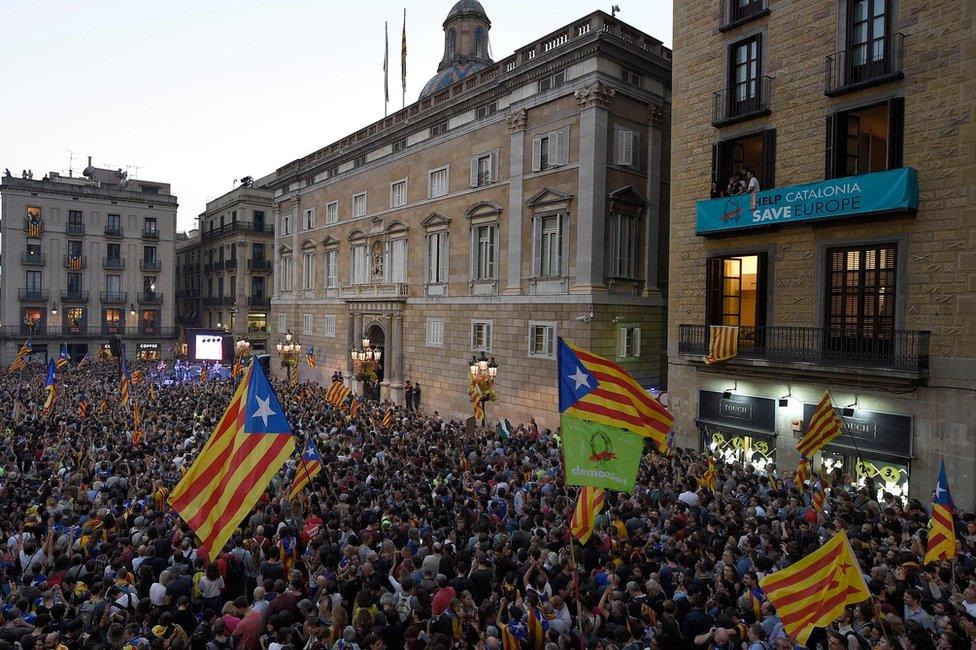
[(199, 94)]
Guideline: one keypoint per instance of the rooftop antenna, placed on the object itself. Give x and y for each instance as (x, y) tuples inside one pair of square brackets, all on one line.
[(614, 10), (71, 163), (134, 174)]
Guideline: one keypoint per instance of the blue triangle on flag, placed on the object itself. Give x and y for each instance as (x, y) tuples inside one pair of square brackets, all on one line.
[(263, 412)]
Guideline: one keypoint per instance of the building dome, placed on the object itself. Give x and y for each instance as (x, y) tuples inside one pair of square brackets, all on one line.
[(466, 49)]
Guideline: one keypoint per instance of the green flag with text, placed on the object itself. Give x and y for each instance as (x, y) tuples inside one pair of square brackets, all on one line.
[(598, 455)]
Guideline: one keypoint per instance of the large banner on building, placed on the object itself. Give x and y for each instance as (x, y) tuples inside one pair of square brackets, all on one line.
[(895, 190)]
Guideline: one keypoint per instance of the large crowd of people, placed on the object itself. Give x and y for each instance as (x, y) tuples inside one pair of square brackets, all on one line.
[(423, 534)]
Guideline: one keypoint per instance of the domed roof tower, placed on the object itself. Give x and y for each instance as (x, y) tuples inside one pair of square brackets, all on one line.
[(465, 46)]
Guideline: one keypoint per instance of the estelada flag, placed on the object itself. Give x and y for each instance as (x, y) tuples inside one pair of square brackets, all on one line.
[(825, 425), (813, 592), (250, 444), (710, 478), (310, 357), (51, 386), (588, 506), (124, 382), (723, 343), (942, 532), (309, 464)]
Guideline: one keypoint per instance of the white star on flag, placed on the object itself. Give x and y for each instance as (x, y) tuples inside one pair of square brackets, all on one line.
[(264, 410), (580, 378)]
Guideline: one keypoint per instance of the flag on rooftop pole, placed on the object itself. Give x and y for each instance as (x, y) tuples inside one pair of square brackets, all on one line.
[(247, 448), (942, 531), (403, 59), (386, 67), (813, 592), (825, 425)]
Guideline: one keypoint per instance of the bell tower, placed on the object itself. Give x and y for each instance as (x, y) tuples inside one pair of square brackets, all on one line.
[(466, 35)]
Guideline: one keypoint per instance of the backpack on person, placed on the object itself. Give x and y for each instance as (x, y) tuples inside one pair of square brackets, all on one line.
[(234, 572)]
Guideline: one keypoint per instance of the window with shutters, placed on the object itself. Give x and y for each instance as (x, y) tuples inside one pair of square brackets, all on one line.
[(548, 244), (309, 218), (435, 332), (484, 169), (282, 323), (398, 261), (398, 193), (624, 236), (542, 339), (438, 182), (360, 273), (736, 294), (731, 158), (626, 147), (332, 213), (550, 149), (331, 269), (866, 139), (861, 293), (359, 205), (285, 224), (481, 335), (285, 279), (329, 326), (308, 271), (437, 257), (308, 321), (628, 341), (483, 247)]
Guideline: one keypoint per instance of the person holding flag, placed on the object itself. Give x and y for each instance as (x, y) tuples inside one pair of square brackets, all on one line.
[(83, 406), (309, 465), (310, 356), (125, 382), (63, 357), (588, 506), (942, 531), (51, 386), (20, 361)]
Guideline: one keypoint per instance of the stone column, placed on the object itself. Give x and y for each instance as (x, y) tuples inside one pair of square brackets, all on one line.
[(398, 337), (591, 231), (516, 127), (655, 206), (350, 343)]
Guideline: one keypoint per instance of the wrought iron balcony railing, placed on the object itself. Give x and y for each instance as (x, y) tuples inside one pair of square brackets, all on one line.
[(867, 64), (737, 12), (741, 101)]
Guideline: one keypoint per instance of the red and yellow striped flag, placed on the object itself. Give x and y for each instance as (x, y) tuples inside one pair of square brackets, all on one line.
[(309, 465), (802, 471), (819, 493), (337, 393), (825, 425), (137, 422), (537, 634), (942, 533), (588, 506), (710, 478), (250, 444), (509, 641), (814, 591), (388, 417), (477, 406), (354, 408), (617, 400), (723, 343)]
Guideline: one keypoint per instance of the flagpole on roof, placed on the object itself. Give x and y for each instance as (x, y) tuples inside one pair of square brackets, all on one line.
[(386, 68)]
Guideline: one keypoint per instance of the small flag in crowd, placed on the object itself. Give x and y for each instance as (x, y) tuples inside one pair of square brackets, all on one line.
[(504, 429), (204, 374), (337, 394), (84, 361), (21, 359), (102, 406), (19, 406), (83, 406), (63, 357), (825, 425), (723, 343), (942, 532), (588, 506), (236, 369), (310, 356), (710, 478), (537, 625), (309, 464), (354, 407), (818, 502), (124, 382), (137, 377), (247, 448), (813, 592), (51, 386), (509, 641), (802, 471), (388, 417), (477, 401), (152, 392), (137, 422)]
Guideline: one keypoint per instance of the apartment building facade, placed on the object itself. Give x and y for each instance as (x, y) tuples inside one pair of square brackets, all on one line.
[(515, 202), (86, 259), (225, 265), (853, 267)]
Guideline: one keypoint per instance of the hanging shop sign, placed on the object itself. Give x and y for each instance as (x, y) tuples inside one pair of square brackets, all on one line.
[(757, 414), (870, 432)]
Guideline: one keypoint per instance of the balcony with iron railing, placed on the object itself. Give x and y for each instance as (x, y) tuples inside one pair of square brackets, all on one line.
[(113, 263), (867, 64), (219, 301), (259, 265), (76, 296), (208, 267), (74, 229), (230, 264), (741, 101), (75, 262), (115, 232), (114, 297), (236, 226), (34, 230), (33, 259), (738, 12), (148, 265), (372, 291), (151, 234), (893, 355), (33, 295), (219, 265), (150, 298), (258, 301)]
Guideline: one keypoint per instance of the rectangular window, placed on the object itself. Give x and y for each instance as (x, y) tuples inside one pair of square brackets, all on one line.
[(484, 262), (113, 251), (744, 69), (398, 261), (631, 77), (437, 257), (74, 283), (148, 321), (329, 325), (282, 323), (555, 81), (74, 317), (435, 332), (332, 213), (438, 183), (114, 223), (550, 150), (258, 220), (331, 269), (866, 139), (628, 342), (399, 145), (438, 129), (736, 289), (542, 340), (359, 161), (150, 226), (309, 218), (486, 111), (484, 169), (257, 322), (286, 279), (149, 254), (359, 265), (624, 236), (626, 147), (359, 205), (113, 284), (286, 224), (398, 194), (548, 245), (33, 282), (112, 317), (860, 304), (220, 287), (308, 271), (734, 159), (74, 218), (74, 248), (867, 28), (481, 335), (307, 323)]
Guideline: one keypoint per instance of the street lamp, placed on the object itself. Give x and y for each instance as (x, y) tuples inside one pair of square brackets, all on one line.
[(365, 361), (482, 374), (288, 351), (54, 309)]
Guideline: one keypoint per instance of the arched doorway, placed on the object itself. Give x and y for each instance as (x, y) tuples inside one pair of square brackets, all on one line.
[(377, 341)]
